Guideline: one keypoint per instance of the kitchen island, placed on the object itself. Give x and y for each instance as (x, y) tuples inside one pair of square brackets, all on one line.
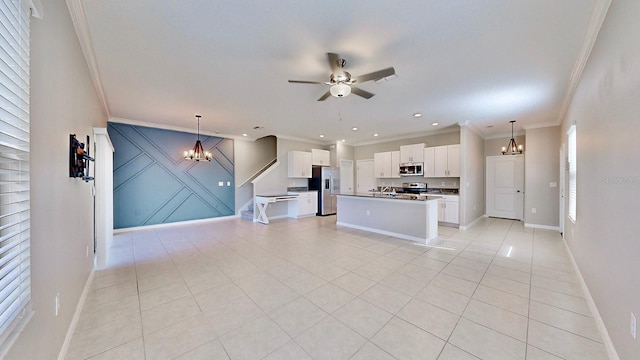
[(412, 218)]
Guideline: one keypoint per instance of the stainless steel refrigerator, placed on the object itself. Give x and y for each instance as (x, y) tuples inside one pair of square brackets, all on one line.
[(327, 181)]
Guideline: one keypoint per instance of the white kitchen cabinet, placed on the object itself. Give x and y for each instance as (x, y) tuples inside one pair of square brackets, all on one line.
[(429, 169), (395, 164), (453, 160), (299, 164), (305, 206), (446, 161), (386, 164), (448, 209), (320, 157), (412, 153)]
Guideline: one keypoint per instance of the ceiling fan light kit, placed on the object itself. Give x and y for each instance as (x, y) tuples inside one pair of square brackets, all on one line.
[(342, 82), (340, 90), (512, 148)]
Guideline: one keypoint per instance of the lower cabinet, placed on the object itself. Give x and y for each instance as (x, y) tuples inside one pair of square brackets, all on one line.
[(306, 205), (448, 209)]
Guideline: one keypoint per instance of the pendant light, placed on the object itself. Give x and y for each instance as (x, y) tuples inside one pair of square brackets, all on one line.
[(512, 148), (198, 153)]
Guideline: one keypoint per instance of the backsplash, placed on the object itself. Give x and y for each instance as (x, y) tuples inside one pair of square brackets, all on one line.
[(432, 183)]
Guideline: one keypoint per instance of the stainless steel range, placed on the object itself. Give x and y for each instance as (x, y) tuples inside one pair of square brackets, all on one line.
[(414, 187)]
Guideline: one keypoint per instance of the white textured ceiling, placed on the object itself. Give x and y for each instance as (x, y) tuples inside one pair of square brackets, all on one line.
[(457, 61)]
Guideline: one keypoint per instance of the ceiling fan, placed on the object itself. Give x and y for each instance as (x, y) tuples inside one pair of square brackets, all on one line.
[(342, 82)]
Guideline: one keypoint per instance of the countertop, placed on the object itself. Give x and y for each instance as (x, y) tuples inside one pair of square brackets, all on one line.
[(411, 197)]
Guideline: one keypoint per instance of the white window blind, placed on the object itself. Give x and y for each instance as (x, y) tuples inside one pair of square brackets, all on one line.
[(572, 173), (15, 279)]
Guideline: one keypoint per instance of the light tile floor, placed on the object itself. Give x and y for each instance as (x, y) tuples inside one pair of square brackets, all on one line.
[(307, 289)]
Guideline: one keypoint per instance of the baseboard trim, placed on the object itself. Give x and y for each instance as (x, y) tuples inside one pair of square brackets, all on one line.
[(544, 227), (180, 223), (384, 232), (611, 350), (76, 317), (472, 223)]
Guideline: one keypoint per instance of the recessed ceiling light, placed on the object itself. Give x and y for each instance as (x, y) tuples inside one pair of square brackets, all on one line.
[(376, 134), (354, 128), (321, 135), (417, 115), (343, 140), (244, 134), (434, 124)]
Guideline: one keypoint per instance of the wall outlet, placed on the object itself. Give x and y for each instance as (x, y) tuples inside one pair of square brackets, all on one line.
[(634, 327), (368, 213), (57, 303), (534, 210), (444, 183), (87, 255)]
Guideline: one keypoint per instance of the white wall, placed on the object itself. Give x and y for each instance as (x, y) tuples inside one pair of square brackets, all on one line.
[(277, 181), (248, 158), (472, 178), (604, 240), (63, 101), (541, 167)]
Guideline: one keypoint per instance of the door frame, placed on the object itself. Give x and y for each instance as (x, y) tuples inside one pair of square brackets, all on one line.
[(344, 164), (358, 162), (561, 189), (103, 184)]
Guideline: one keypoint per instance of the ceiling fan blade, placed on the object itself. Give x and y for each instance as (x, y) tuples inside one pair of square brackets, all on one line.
[(305, 82), (325, 96), (334, 62), (376, 75), (360, 92)]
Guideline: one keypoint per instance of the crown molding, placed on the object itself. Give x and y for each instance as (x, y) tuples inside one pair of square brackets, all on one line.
[(79, 19), (598, 14), (177, 128), (540, 125), (299, 139)]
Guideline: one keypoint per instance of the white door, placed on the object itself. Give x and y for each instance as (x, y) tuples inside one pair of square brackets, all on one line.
[(505, 186), (365, 176), (346, 176)]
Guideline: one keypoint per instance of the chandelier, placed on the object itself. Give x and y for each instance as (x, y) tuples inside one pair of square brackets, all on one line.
[(198, 153), (512, 148)]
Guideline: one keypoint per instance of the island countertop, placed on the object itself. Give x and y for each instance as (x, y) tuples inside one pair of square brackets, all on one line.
[(397, 196)]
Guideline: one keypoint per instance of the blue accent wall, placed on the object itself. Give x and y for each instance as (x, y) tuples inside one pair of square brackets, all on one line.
[(153, 184)]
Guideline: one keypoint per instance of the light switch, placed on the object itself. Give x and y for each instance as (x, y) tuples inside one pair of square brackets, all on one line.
[(228, 183), (220, 183), (553, 184)]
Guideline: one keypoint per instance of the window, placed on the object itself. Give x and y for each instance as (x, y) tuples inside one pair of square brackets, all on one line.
[(572, 173), (15, 278)]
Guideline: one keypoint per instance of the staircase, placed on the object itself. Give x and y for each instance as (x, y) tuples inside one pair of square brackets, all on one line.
[(248, 213)]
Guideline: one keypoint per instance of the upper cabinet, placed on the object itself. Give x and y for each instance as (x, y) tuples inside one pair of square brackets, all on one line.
[(429, 168), (387, 164), (446, 161), (320, 157), (412, 153), (299, 164)]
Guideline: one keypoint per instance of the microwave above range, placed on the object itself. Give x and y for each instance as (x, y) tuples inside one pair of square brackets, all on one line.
[(411, 169)]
